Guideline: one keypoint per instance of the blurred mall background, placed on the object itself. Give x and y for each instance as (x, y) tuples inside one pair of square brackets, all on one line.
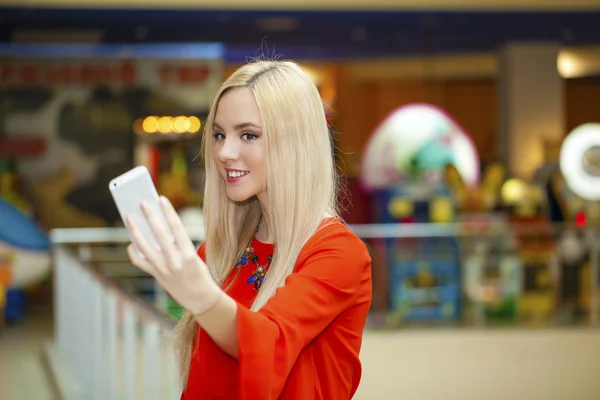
[(468, 133)]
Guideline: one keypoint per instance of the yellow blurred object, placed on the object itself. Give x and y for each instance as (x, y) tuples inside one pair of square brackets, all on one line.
[(543, 279), (8, 193), (400, 207), (526, 209), (441, 210), (513, 191), (167, 125), (2, 300), (150, 124), (48, 196), (194, 125), (425, 279), (177, 189), (476, 199), (585, 289), (536, 305), (174, 183)]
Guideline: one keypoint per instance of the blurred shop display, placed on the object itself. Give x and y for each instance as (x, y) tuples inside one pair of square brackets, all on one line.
[(403, 170), (72, 118), (486, 246)]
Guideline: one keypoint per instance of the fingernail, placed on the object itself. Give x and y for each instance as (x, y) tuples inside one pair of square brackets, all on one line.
[(163, 200), (143, 205)]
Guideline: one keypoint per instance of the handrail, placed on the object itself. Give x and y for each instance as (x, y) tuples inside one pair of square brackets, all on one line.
[(364, 231), (144, 305), (108, 343), (458, 229), (103, 235)]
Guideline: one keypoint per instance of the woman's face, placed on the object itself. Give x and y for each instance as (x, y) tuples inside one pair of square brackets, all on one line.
[(238, 145)]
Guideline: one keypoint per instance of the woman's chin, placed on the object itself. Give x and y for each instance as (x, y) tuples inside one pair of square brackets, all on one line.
[(239, 196)]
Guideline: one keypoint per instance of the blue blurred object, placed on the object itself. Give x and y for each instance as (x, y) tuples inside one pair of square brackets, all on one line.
[(15, 304), (424, 272), (19, 230), (425, 279), (179, 51)]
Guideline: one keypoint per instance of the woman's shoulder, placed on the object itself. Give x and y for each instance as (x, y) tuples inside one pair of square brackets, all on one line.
[(335, 228), (335, 239)]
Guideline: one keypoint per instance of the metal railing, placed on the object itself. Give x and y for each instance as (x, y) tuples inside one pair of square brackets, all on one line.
[(111, 342), (538, 251)]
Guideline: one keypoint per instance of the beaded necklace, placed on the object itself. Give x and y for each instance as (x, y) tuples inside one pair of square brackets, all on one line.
[(258, 276)]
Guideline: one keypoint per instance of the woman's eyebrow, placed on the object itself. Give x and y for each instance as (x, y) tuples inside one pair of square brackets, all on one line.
[(240, 126)]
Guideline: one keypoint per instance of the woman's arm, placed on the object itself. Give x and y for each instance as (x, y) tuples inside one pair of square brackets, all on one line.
[(220, 323)]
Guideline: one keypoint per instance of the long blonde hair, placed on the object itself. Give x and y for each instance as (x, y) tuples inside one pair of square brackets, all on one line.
[(301, 182)]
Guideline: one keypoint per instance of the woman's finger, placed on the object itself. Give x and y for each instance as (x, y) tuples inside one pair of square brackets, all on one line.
[(140, 262), (184, 243), (162, 234), (149, 254)]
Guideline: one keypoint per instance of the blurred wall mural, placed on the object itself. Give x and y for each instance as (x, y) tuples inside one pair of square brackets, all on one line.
[(83, 112)]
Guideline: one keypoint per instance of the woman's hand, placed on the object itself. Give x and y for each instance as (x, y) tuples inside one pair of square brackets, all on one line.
[(176, 265)]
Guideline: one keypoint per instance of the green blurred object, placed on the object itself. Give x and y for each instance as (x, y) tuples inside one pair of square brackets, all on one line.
[(504, 310), (174, 309)]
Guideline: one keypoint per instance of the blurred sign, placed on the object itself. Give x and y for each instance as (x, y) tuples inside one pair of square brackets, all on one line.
[(34, 72)]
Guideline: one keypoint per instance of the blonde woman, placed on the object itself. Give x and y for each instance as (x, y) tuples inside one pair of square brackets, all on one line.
[(278, 295)]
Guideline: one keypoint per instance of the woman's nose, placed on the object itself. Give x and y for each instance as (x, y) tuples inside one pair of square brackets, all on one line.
[(229, 150)]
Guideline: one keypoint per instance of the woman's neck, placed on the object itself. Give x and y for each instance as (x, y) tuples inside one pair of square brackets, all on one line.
[(264, 233)]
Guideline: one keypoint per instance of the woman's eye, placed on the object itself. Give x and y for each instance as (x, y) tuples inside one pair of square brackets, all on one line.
[(218, 136), (248, 136)]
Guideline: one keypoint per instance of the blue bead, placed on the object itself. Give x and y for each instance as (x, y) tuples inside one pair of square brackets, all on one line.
[(244, 261), (251, 279)]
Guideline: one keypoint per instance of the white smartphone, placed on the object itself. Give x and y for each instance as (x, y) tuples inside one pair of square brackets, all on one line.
[(128, 192)]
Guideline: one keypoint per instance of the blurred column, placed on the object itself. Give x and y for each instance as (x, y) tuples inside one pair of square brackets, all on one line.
[(141, 153), (531, 104)]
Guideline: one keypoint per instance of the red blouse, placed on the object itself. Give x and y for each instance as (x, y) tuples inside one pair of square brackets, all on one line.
[(305, 342)]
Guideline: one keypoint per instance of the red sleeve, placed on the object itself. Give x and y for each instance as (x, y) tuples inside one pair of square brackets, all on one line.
[(202, 251), (330, 276)]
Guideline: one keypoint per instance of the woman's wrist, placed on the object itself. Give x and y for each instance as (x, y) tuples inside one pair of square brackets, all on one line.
[(207, 300)]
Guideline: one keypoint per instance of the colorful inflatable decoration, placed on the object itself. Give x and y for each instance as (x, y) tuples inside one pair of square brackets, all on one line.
[(415, 143), (25, 250)]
